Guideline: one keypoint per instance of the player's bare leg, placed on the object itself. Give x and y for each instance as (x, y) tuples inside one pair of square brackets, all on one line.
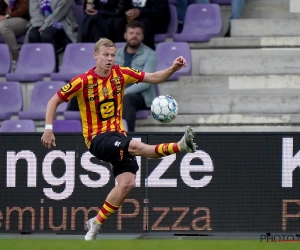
[(126, 183)]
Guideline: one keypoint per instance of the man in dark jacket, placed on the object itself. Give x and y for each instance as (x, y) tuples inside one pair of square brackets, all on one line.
[(14, 16), (100, 17), (153, 14)]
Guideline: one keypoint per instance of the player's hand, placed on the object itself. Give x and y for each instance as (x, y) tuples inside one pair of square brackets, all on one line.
[(48, 139), (178, 63)]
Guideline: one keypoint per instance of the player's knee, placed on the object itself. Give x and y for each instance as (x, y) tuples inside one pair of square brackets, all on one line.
[(135, 147), (128, 185)]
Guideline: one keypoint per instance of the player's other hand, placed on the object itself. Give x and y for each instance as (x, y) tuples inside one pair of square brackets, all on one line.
[(178, 63), (48, 139)]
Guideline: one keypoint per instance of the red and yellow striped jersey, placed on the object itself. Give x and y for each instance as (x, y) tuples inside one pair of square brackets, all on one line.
[(100, 99)]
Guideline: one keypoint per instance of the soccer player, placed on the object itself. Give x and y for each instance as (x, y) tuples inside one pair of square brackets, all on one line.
[(99, 92)]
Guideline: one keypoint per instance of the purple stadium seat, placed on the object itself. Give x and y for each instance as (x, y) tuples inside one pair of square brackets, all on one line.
[(77, 58), (120, 44), (221, 1), (201, 23), (41, 94), (17, 126), (167, 52), (72, 115), (36, 61), (67, 126), (11, 99), (5, 61), (143, 114), (173, 25)]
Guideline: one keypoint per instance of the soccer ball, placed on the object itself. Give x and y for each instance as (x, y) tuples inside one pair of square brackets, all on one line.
[(164, 108)]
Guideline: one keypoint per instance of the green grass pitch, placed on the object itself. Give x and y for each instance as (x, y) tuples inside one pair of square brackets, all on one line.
[(143, 244)]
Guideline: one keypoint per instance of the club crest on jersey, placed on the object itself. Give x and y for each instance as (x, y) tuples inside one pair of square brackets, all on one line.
[(105, 91), (117, 82)]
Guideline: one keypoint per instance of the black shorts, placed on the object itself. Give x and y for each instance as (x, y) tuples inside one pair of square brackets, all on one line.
[(112, 147)]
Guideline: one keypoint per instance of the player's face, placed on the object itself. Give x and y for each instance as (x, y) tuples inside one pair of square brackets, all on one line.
[(105, 57), (134, 37)]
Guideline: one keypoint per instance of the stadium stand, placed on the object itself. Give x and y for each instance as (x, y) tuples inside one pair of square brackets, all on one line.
[(172, 26), (36, 61), (71, 115), (166, 52), (201, 23), (77, 58), (11, 99), (120, 44), (67, 126), (143, 114), (41, 94), (247, 82), (17, 126)]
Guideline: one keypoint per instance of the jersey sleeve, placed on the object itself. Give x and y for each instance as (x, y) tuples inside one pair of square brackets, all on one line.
[(132, 75), (71, 89)]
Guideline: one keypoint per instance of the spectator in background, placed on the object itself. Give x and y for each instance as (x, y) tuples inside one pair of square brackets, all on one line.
[(52, 21), (14, 16), (100, 18), (237, 7), (153, 14), (139, 56)]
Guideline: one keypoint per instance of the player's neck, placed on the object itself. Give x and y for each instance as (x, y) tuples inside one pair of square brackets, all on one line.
[(102, 72)]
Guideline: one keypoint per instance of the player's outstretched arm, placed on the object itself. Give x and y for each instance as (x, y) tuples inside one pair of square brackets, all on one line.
[(162, 75), (48, 138)]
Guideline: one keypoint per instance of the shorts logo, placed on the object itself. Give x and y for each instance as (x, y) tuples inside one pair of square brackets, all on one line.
[(117, 143)]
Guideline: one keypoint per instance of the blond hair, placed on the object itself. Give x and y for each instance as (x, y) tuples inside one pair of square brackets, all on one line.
[(103, 42)]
